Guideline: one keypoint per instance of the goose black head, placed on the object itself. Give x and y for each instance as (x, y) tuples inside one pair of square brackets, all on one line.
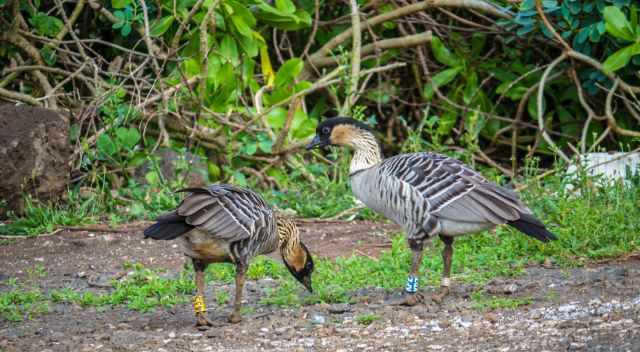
[(338, 131), (300, 265)]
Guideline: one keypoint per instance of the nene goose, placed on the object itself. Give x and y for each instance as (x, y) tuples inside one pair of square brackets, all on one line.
[(224, 223), (427, 194)]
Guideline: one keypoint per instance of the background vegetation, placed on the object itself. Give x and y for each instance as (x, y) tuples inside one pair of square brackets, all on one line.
[(243, 83)]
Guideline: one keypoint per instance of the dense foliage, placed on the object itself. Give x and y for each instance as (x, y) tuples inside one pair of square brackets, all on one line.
[(244, 82)]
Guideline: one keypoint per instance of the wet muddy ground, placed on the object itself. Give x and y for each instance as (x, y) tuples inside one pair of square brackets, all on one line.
[(594, 308)]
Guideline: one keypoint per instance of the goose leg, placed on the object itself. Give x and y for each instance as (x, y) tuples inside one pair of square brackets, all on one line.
[(412, 297), (235, 317), (447, 254), (199, 307)]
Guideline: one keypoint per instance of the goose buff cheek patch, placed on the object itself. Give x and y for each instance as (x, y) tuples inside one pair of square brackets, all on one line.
[(412, 284)]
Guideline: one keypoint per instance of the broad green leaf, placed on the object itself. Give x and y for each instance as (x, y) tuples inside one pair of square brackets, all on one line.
[(49, 55), (621, 58), (3, 2), (250, 45), (46, 25), (241, 26), (242, 11), (160, 26), (302, 126), (229, 50), (265, 143), (119, 4), (126, 29), (439, 80), (272, 16), (288, 71), (446, 122), (152, 178), (617, 24), (471, 87), (105, 145), (239, 178), (128, 137), (276, 118), (442, 54), (286, 6), (191, 67)]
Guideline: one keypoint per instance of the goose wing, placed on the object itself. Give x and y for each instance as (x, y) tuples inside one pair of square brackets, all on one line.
[(226, 212), (451, 190)]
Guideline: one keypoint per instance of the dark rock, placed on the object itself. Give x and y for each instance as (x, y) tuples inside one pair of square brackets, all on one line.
[(34, 154), (339, 308)]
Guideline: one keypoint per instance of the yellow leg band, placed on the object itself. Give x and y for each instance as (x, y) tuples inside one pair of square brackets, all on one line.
[(198, 304)]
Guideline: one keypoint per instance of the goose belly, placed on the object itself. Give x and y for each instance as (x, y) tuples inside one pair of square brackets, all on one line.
[(374, 197), (200, 245), (459, 228)]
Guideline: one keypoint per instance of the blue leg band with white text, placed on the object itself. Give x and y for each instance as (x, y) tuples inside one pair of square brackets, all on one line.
[(412, 284)]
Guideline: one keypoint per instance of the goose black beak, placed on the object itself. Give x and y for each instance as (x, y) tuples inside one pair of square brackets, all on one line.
[(315, 142), (306, 282)]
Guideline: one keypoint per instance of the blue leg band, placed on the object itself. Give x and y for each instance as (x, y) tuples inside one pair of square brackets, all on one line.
[(412, 284)]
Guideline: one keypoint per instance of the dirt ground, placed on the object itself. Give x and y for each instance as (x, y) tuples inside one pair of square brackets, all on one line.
[(595, 308)]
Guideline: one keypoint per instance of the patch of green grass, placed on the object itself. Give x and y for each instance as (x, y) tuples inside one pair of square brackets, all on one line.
[(22, 303), (222, 297), (43, 218), (367, 319), (484, 302)]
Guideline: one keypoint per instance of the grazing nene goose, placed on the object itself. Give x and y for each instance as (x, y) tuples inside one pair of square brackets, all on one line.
[(426, 194), (224, 223)]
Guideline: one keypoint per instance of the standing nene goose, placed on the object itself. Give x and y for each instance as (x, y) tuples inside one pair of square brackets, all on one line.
[(427, 194), (224, 223)]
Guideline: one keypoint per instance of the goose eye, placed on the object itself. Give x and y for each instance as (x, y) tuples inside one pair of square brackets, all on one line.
[(325, 130)]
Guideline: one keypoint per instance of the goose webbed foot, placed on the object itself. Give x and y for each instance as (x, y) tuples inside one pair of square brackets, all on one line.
[(235, 318), (412, 299), (202, 321), (438, 297)]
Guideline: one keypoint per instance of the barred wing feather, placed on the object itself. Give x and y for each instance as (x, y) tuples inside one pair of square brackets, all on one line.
[(452, 191), (226, 212)]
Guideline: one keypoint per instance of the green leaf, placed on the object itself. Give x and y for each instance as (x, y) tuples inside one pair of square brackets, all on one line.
[(276, 117), (440, 79), (229, 50), (442, 54), (105, 145), (126, 29), (3, 2), (159, 27), (128, 137), (48, 55), (621, 58), (288, 71), (286, 6), (119, 4), (152, 178), (617, 24), (471, 87), (265, 143), (250, 147), (191, 67), (46, 25), (302, 126), (239, 178)]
